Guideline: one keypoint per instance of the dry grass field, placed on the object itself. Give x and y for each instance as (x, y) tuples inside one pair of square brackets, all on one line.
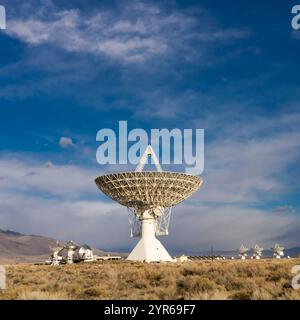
[(265, 279)]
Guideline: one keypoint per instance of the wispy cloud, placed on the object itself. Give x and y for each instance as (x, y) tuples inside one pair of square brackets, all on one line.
[(250, 172), (91, 221), (46, 179), (250, 165), (198, 227), (77, 53), (131, 32)]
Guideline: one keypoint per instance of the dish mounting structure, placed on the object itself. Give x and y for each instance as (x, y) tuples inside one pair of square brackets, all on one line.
[(161, 215)]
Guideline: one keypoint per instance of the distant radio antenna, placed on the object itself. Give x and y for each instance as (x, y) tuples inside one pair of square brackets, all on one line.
[(257, 252), (243, 252), (278, 251)]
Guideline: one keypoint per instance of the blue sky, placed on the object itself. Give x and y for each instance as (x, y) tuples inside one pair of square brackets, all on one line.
[(70, 68)]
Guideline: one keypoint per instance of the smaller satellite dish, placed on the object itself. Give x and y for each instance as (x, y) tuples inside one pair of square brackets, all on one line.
[(278, 251), (257, 252), (243, 252)]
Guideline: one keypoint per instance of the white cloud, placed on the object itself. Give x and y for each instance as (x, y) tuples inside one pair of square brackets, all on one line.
[(89, 221), (66, 142), (60, 201), (198, 227), (67, 181), (130, 32), (249, 171)]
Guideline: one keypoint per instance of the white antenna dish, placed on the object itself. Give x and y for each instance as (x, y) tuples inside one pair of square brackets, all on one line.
[(257, 252), (243, 252), (149, 196), (278, 251)]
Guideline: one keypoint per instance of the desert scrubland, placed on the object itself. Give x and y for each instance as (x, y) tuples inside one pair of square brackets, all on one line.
[(250, 279)]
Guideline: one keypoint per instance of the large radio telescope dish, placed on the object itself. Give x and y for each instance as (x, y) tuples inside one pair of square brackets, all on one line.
[(148, 189), (149, 195)]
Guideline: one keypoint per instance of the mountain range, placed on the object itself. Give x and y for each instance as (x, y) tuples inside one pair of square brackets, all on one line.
[(16, 247)]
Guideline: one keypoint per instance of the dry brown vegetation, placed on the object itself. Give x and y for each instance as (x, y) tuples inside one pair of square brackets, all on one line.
[(265, 279)]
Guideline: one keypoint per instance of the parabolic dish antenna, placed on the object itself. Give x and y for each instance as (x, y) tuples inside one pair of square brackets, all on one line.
[(278, 251), (149, 196), (243, 252), (257, 252)]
